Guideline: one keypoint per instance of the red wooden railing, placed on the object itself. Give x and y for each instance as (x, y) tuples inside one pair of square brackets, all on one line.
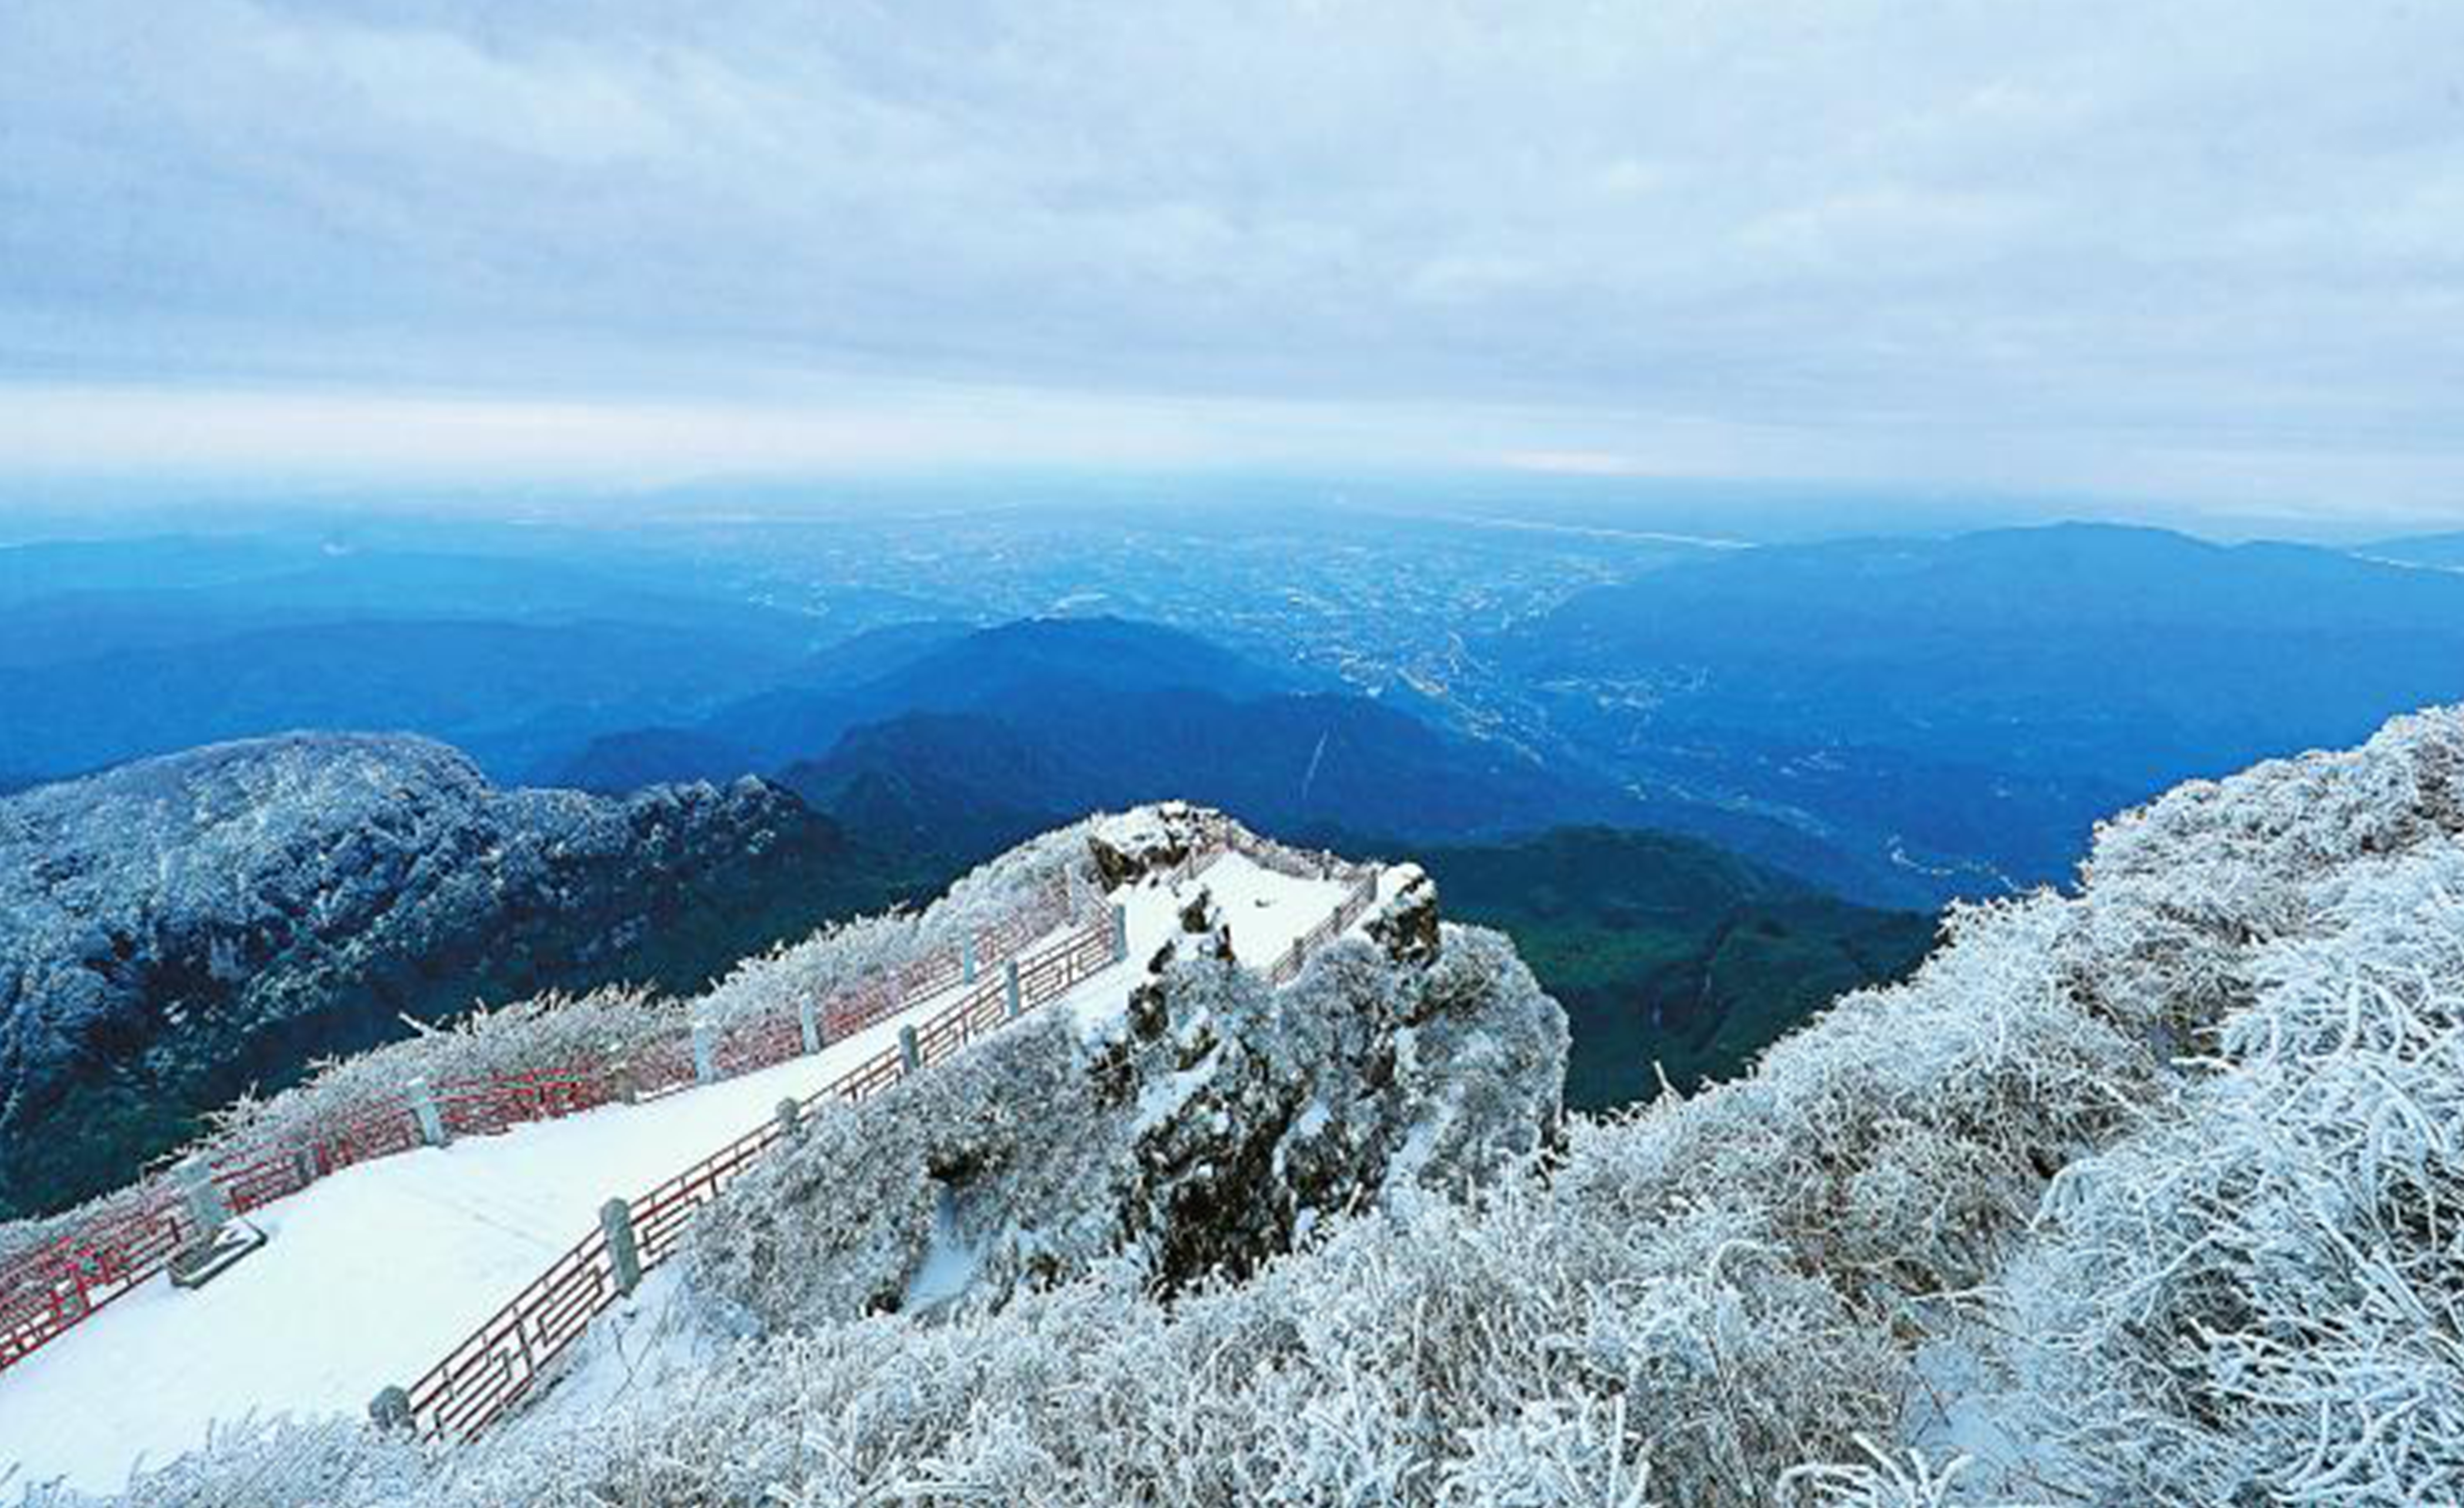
[(56, 1286), (484, 1375)]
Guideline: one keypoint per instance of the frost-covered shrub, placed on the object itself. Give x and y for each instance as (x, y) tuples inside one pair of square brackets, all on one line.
[(2177, 892), (1053, 874), (1884, 1479), (2264, 1297), (255, 1462), (1895, 1142)]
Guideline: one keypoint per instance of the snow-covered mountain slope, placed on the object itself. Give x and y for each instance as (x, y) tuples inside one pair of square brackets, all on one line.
[(2143, 1194), (176, 931), (379, 1270), (1194, 1127)]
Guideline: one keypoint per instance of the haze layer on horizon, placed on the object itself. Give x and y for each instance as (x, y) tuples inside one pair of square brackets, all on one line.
[(2204, 253)]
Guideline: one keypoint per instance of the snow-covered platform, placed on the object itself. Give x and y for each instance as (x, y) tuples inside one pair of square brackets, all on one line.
[(371, 1275)]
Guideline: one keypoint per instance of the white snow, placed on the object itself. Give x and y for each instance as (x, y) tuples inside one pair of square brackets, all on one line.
[(1266, 912), (949, 1265), (372, 1275)]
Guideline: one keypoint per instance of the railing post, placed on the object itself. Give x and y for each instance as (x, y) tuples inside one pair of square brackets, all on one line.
[(624, 1252), (390, 1408), (787, 1112), (208, 1206), (1120, 934), (422, 1104), (705, 1059), (967, 961), (808, 1021), (909, 1059), (1015, 1002)]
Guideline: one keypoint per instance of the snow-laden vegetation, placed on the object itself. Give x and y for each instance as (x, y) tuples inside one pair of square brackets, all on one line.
[(2262, 1297), (176, 929), (843, 956), (2149, 1194)]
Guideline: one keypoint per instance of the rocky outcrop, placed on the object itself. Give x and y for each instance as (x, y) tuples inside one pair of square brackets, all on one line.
[(1210, 1127), (1406, 924), (1150, 840), (179, 929)]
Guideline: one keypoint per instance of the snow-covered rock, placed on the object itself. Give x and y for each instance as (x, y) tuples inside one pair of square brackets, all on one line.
[(1149, 840), (1195, 1133), (1405, 922)]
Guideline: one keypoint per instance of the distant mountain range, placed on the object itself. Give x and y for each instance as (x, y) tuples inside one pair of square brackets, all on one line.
[(1901, 720), (2443, 552), (963, 742), (916, 667), (1965, 708), (183, 927), (129, 648), (1894, 722)]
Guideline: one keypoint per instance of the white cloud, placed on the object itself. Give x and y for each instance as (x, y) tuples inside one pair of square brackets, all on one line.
[(2219, 244)]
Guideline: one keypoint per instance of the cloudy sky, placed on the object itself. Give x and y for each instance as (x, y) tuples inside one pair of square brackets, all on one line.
[(2207, 253)]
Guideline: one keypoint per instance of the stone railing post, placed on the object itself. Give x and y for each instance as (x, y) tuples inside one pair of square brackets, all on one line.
[(910, 1058), (967, 961), (1014, 1003), (390, 1408), (208, 1206), (423, 1105), (705, 1038), (624, 1252), (1120, 934), (808, 1023)]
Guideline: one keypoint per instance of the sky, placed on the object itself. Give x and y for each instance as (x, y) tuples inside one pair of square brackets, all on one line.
[(2209, 255)]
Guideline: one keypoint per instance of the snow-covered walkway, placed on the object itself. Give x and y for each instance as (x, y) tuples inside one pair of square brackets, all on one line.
[(373, 1274)]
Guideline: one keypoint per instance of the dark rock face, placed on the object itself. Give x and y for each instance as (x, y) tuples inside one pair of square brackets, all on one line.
[(1406, 925), (1159, 837), (176, 931)]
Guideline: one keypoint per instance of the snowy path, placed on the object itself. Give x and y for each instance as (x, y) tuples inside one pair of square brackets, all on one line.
[(371, 1274)]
